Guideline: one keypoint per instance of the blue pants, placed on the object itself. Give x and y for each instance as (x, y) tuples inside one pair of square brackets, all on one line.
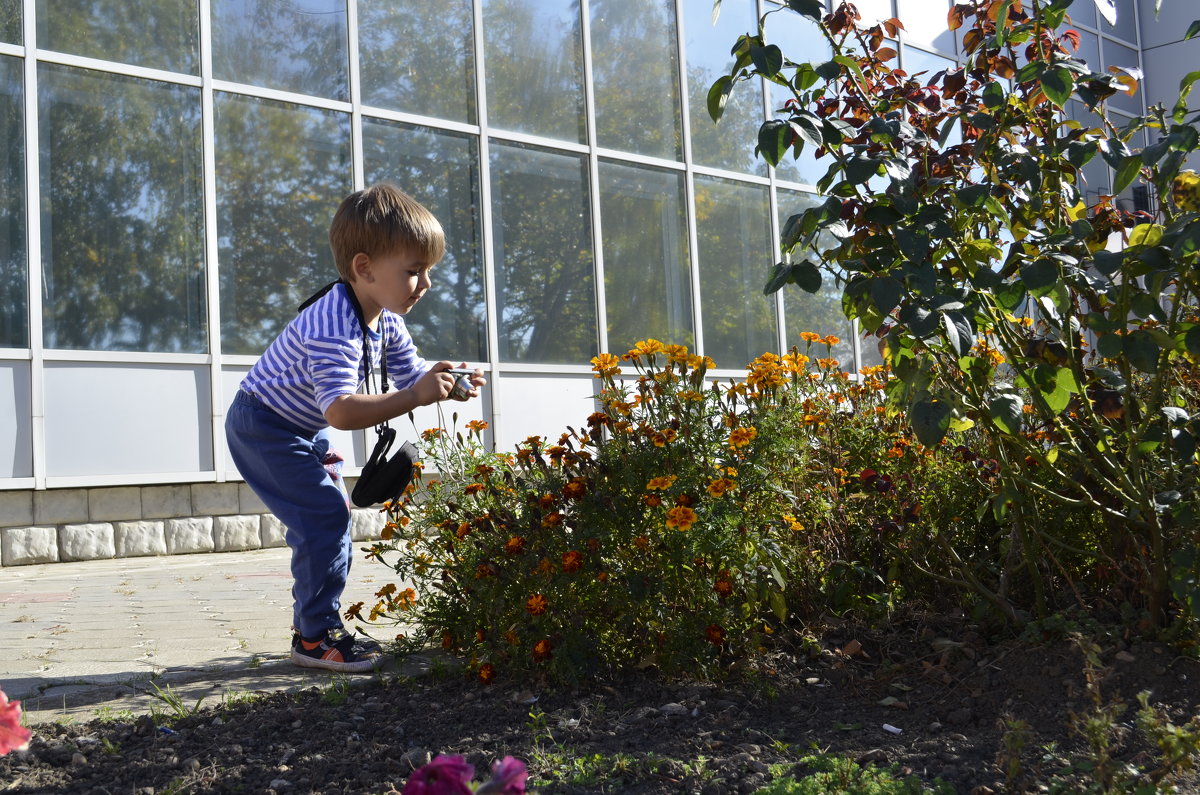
[(285, 466)]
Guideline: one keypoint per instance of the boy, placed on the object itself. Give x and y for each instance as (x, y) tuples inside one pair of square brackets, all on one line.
[(384, 245)]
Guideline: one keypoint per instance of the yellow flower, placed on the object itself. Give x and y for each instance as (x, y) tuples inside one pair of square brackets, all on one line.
[(740, 437), (647, 347), (795, 361), (660, 483), (606, 364), (810, 337), (677, 354), (718, 487), (681, 517)]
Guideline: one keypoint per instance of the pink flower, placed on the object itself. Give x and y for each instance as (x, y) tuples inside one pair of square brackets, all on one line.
[(13, 736), (508, 778), (445, 775)]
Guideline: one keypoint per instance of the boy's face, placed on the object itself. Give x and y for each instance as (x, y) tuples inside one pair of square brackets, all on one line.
[(394, 282)]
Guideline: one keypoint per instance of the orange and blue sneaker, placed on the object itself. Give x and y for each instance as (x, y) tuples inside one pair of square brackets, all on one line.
[(336, 650)]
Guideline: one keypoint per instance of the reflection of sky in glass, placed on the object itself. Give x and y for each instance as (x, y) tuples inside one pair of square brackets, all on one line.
[(1089, 49), (10, 21), (644, 239), (920, 61), (925, 24), (729, 144), (534, 66), (440, 170), (142, 32), (291, 45), (14, 331), (801, 41), (1126, 27), (874, 11)]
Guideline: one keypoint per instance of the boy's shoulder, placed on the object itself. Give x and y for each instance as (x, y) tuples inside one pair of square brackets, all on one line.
[(331, 315)]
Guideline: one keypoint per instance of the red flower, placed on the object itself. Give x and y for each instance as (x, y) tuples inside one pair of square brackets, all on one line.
[(542, 650), (508, 778), (571, 561), (487, 672), (445, 775), (13, 736), (714, 634)]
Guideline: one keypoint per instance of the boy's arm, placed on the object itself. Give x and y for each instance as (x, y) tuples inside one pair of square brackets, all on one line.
[(356, 411)]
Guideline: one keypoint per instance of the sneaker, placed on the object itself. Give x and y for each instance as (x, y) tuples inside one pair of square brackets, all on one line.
[(336, 650)]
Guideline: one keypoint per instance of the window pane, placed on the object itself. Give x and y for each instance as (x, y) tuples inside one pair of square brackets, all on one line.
[(800, 35), (635, 68), (545, 288), (440, 170), (122, 213), (924, 65), (535, 67), (282, 171), (644, 233), (819, 312), (1118, 55), (418, 57), (14, 328), (1126, 27), (10, 21), (734, 240), (874, 11), (729, 144), (925, 24), (142, 32), (291, 45)]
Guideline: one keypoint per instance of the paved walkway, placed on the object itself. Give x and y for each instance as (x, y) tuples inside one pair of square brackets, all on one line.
[(83, 639)]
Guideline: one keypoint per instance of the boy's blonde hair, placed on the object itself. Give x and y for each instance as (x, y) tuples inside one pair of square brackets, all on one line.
[(382, 220)]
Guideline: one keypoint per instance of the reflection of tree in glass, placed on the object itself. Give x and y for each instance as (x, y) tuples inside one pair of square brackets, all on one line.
[(544, 276), (534, 67), (635, 70), (14, 329), (644, 234), (122, 213), (440, 170), (734, 240), (293, 45), (418, 57), (282, 170), (10, 21), (143, 32)]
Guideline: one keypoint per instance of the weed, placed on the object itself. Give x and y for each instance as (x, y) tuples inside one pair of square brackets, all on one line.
[(175, 704), (338, 690), (835, 775)]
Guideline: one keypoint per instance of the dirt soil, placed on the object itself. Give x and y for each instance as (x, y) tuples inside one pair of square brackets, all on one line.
[(944, 688)]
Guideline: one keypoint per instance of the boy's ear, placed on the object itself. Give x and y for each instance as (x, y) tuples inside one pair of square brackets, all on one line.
[(360, 267)]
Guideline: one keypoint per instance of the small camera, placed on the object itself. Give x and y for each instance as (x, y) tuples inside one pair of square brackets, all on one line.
[(462, 385)]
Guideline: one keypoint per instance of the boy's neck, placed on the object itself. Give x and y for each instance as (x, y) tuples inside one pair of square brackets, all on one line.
[(371, 310)]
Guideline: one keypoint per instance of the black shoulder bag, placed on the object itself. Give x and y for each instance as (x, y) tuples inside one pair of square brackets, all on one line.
[(382, 479)]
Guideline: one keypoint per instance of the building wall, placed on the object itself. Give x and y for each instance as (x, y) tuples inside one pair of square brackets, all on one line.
[(170, 171)]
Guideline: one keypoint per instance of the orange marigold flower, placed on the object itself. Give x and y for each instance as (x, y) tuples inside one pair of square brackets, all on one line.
[(606, 364), (598, 418), (575, 488), (406, 599), (827, 364), (701, 363), (602, 576), (480, 635), (653, 500), (546, 501), (647, 347), (718, 487), (487, 672), (515, 545), (641, 542), (714, 634), (572, 561), (463, 531), (511, 638), (809, 336), (740, 437), (354, 612), (429, 434), (386, 590), (474, 488), (447, 640), (724, 588), (677, 354), (552, 519), (684, 499), (536, 604), (542, 650), (593, 544), (477, 426), (662, 482), (681, 517), (485, 570), (544, 567), (829, 339), (388, 532)]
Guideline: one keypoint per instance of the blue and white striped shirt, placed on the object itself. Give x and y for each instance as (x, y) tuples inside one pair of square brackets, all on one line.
[(318, 358)]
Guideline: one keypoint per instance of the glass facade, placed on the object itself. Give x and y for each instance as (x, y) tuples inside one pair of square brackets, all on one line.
[(168, 180)]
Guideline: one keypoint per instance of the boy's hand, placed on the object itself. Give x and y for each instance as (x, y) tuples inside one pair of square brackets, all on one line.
[(438, 383), (474, 380)]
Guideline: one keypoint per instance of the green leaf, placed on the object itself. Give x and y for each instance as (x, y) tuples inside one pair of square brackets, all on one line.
[(1006, 410), (1191, 341), (1144, 305), (718, 96), (851, 64), (1145, 235), (993, 95), (1131, 166), (930, 420), (885, 293), (1040, 276), (768, 60), (808, 127), (1179, 113), (959, 333), (779, 277), (1109, 262), (1142, 351), (1057, 84), (716, 12), (974, 195), (774, 140), (813, 9), (1193, 30), (1110, 345)]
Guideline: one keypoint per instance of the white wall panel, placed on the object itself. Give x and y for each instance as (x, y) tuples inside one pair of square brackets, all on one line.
[(113, 419), (542, 405), (16, 445)]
